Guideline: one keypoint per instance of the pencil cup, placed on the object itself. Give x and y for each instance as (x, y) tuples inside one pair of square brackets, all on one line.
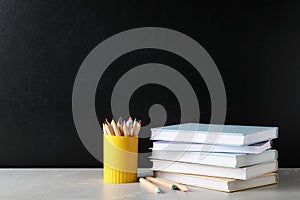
[(120, 159)]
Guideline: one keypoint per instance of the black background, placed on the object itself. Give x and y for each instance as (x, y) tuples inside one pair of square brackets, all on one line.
[(255, 45)]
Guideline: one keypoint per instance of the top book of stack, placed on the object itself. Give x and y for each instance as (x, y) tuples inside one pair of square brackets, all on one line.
[(215, 134)]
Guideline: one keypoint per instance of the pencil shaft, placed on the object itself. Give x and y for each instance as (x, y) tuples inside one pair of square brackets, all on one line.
[(111, 130), (107, 130), (125, 129), (103, 128), (121, 131), (138, 128), (160, 182), (119, 124), (149, 185), (178, 185), (115, 128), (129, 128)]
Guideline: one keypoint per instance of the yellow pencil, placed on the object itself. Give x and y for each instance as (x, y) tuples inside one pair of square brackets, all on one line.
[(179, 186), (160, 182), (149, 185)]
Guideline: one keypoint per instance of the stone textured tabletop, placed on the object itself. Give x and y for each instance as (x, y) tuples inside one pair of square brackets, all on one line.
[(87, 184)]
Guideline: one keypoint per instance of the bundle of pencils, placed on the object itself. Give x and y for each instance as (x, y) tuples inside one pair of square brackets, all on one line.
[(129, 128)]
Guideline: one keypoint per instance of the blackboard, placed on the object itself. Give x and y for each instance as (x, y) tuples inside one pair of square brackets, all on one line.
[(43, 43)]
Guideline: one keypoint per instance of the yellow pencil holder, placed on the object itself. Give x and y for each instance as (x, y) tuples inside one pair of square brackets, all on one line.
[(120, 159)]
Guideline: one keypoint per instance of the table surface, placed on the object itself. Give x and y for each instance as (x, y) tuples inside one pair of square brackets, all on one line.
[(87, 184)]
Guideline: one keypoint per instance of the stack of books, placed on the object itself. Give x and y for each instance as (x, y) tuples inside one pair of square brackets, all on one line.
[(221, 157)]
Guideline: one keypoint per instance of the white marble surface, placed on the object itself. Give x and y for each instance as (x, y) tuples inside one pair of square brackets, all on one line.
[(87, 184)]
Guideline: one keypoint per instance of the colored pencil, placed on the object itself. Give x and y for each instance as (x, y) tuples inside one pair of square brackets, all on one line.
[(125, 129), (115, 128), (160, 182), (179, 186), (104, 129), (149, 185)]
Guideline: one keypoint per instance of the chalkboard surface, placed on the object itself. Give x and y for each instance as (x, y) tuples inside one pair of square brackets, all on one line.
[(43, 43)]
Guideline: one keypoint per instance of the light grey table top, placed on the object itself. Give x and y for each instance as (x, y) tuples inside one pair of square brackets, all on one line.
[(87, 184)]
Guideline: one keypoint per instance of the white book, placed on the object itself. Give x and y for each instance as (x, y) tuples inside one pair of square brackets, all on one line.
[(208, 170), (220, 184), (184, 146), (216, 159), (214, 134)]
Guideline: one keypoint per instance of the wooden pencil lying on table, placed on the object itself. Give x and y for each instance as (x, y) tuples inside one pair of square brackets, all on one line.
[(149, 185), (181, 187), (160, 182)]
